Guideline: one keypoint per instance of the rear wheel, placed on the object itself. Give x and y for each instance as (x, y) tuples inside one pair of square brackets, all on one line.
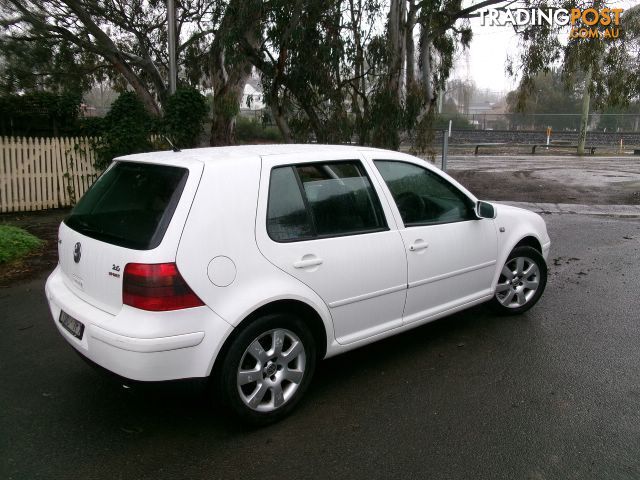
[(268, 367), (522, 281)]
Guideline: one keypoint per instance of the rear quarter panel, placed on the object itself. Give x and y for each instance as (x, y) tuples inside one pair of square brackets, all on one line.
[(222, 223)]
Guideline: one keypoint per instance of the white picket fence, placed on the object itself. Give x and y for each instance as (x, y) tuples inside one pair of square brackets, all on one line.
[(41, 173)]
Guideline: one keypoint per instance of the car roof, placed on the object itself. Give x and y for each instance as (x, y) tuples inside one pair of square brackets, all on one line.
[(242, 151)]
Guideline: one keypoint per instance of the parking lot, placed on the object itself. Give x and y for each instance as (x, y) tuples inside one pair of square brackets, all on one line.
[(552, 394), (591, 180)]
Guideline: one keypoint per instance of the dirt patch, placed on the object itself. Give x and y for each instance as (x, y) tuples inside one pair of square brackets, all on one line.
[(43, 225), (524, 186)]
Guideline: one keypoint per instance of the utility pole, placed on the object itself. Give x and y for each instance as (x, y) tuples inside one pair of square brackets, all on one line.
[(584, 119), (171, 20)]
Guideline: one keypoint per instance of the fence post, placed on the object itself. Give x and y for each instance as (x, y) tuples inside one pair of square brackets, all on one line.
[(4, 178), (445, 150)]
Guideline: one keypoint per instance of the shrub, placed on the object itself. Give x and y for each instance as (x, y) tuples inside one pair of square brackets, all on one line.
[(459, 121), (90, 127), (250, 130), (126, 130), (39, 113), (184, 115)]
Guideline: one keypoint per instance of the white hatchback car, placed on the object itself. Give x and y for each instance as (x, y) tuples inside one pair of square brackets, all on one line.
[(249, 264)]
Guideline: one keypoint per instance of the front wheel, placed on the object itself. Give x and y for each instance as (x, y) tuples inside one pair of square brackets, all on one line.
[(521, 282), (268, 367)]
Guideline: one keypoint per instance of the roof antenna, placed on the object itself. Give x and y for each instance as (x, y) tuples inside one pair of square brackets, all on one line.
[(173, 147)]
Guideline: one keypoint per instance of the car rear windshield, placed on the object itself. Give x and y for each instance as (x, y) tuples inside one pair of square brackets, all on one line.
[(130, 205)]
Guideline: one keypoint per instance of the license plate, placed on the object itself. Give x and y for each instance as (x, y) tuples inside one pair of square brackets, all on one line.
[(71, 325)]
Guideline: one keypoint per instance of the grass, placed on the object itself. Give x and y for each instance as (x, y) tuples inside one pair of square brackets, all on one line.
[(15, 243)]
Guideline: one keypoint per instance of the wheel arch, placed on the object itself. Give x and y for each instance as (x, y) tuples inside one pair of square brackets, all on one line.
[(522, 238), (529, 241), (297, 307)]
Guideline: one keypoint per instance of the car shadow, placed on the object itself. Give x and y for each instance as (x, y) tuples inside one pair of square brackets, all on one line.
[(185, 405)]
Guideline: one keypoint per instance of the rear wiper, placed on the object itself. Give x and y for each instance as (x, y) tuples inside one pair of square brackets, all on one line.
[(86, 228)]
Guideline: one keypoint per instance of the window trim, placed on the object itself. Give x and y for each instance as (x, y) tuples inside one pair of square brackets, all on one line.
[(469, 200), (309, 210)]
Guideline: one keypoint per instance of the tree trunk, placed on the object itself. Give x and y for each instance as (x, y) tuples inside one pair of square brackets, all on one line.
[(277, 111), (425, 64), (584, 119), (134, 81), (359, 99), (228, 89), (410, 48), (397, 16), (230, 78)]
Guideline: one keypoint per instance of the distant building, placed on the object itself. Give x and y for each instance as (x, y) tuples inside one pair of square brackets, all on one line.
[(253, 96)]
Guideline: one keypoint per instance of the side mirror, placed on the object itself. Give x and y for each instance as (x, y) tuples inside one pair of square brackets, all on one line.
[(485, 210)]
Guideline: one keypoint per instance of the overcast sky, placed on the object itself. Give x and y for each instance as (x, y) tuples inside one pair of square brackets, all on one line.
[(489, 50)]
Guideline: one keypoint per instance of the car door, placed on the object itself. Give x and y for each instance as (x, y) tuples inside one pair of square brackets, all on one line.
[(321, 220), (451, 254)]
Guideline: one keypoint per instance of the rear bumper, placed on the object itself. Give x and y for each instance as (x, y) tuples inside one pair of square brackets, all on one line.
[(140, 345)]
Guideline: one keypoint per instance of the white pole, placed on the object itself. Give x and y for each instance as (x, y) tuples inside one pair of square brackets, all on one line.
[(450, 122), (445, 151), (171, 20), (548, 135)]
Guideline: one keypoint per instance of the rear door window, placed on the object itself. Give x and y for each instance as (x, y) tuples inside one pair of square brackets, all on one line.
[(317, 200), (130, 205), (287, 217)]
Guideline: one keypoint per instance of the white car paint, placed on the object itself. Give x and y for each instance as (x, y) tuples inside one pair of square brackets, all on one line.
[(366, 288)]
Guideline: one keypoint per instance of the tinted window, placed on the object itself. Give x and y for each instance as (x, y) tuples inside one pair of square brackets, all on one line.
[(322, 199), (131, 205), (287, 217), (422, 196)]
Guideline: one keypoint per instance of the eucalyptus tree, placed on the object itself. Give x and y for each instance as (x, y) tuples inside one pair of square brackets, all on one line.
[(125, 41), (606, 69)]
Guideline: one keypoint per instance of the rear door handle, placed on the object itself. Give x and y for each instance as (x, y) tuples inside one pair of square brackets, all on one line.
[(308, 262), (418, 245)]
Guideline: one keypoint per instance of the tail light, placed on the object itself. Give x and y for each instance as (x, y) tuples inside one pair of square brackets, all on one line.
[(157, 287)]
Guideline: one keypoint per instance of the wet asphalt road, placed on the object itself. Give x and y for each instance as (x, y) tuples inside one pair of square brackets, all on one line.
[(552, 394)]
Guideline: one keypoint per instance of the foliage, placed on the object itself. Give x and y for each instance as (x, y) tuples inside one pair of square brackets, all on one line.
[(45, 64), (184, 115), (458, 122), (249, 130), (385, 118), (330, 70), (615, 59), (620, 119), (15, 243), (550, 95), (127, 127), (38, 113), (75, 42), (90, 127)]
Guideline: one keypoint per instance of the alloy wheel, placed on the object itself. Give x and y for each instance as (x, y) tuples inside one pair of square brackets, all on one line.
[(271, 370)]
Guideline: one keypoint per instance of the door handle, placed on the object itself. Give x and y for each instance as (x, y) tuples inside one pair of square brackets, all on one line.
[(308, 262), (418, 245)]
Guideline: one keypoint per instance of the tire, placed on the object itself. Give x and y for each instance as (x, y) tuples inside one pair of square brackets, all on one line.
[(267, 368), (521, 282)]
